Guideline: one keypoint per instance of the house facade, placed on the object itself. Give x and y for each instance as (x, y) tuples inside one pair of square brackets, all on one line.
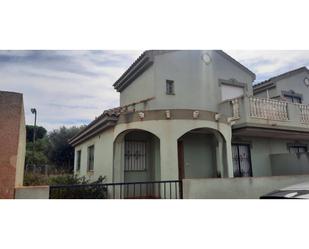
[(13, 143), (195, 117)]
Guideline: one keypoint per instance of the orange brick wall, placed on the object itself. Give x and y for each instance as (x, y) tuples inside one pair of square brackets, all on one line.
[(11, 112)]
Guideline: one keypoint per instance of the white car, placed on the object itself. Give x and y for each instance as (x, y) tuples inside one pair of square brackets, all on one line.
[(298, 191)]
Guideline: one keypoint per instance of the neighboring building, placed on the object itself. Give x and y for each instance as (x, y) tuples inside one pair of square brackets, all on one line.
[(195, 116), (12, 143)]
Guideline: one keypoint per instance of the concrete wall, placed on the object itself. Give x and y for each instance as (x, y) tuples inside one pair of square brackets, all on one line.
[(33, 192), (290, 164), (13, 142), (196, 83), (237, 188), (262, 150)]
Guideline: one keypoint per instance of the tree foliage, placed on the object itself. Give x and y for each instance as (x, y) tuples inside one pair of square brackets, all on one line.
[(60, 152), (51, 148), (39, 133)]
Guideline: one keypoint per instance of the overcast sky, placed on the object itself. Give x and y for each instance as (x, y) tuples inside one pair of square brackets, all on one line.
[(72, 87)]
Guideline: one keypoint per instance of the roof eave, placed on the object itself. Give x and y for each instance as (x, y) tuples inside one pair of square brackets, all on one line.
[(92, 132)]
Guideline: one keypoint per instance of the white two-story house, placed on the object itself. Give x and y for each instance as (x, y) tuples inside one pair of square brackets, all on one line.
[(195, 117)]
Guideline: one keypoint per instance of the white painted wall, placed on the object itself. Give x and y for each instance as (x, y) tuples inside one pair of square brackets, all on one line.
[(237, 188), (196, 83), (103, 156), (21, 153), (168, 131), (32, 192), (142, 88)]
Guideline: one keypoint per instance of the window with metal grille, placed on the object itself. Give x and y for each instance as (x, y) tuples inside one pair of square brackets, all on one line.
[(90, 158), (170, 87), (297, 148), (78, 160), (293, 99), (135, 156), (241, 160)]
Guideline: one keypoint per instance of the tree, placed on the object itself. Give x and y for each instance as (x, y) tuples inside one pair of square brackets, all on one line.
[(40, 132), (60, 152), (40, 156)]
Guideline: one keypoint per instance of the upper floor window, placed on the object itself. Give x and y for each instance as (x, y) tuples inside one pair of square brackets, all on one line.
[(90, 158), (292, 96), (231, 92), (78, 160), (231, 89), (170, 88)]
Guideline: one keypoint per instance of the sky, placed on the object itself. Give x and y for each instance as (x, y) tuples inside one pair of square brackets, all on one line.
[(71, 88)]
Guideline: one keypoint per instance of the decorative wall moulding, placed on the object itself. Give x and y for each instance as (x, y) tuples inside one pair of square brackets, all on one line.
[(141, 115), (196, 114), (167, 114)]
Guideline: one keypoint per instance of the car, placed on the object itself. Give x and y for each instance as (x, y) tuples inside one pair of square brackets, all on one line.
[(298, 191)]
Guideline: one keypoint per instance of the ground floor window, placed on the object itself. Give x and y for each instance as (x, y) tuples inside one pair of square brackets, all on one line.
[(90, 158), (135, 156), (241, 160), (78, 159), (297, 148)]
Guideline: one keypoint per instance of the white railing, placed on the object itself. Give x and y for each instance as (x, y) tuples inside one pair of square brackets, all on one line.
[(304, 113), (268, 109), (236, 109)]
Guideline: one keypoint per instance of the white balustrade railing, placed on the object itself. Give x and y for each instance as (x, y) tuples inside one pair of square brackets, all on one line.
[(268, 109), (236, 110), (304, 113)]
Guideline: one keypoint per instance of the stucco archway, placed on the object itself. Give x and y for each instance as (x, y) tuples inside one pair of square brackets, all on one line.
[(202, 154), (136, 156)]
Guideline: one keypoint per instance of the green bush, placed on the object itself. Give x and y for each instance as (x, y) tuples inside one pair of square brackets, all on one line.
[(82, 188)]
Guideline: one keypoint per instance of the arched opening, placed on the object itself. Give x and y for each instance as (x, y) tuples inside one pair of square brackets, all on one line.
[(202, 154), (136, 157)]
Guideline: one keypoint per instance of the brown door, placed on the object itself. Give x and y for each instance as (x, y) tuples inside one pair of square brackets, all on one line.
[(181, 169)]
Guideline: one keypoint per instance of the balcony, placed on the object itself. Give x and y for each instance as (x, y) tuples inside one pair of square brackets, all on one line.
[(266, 113)]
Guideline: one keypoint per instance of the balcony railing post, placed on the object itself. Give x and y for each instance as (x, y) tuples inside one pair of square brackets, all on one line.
[(303, 113)]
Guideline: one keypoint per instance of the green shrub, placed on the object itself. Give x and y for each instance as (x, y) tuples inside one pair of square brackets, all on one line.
[(82, 189)]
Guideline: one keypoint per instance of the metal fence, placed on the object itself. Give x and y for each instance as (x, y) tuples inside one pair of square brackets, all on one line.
[(130, 190)]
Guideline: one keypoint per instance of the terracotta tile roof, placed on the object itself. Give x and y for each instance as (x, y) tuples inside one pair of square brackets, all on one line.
[(107, 119)]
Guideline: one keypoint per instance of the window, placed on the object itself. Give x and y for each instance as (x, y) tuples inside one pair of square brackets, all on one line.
[(292, 99), (135, 156), (298, 148), (90, 158), (241, 160), (78, 160), (170, 87), (231, 92)]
